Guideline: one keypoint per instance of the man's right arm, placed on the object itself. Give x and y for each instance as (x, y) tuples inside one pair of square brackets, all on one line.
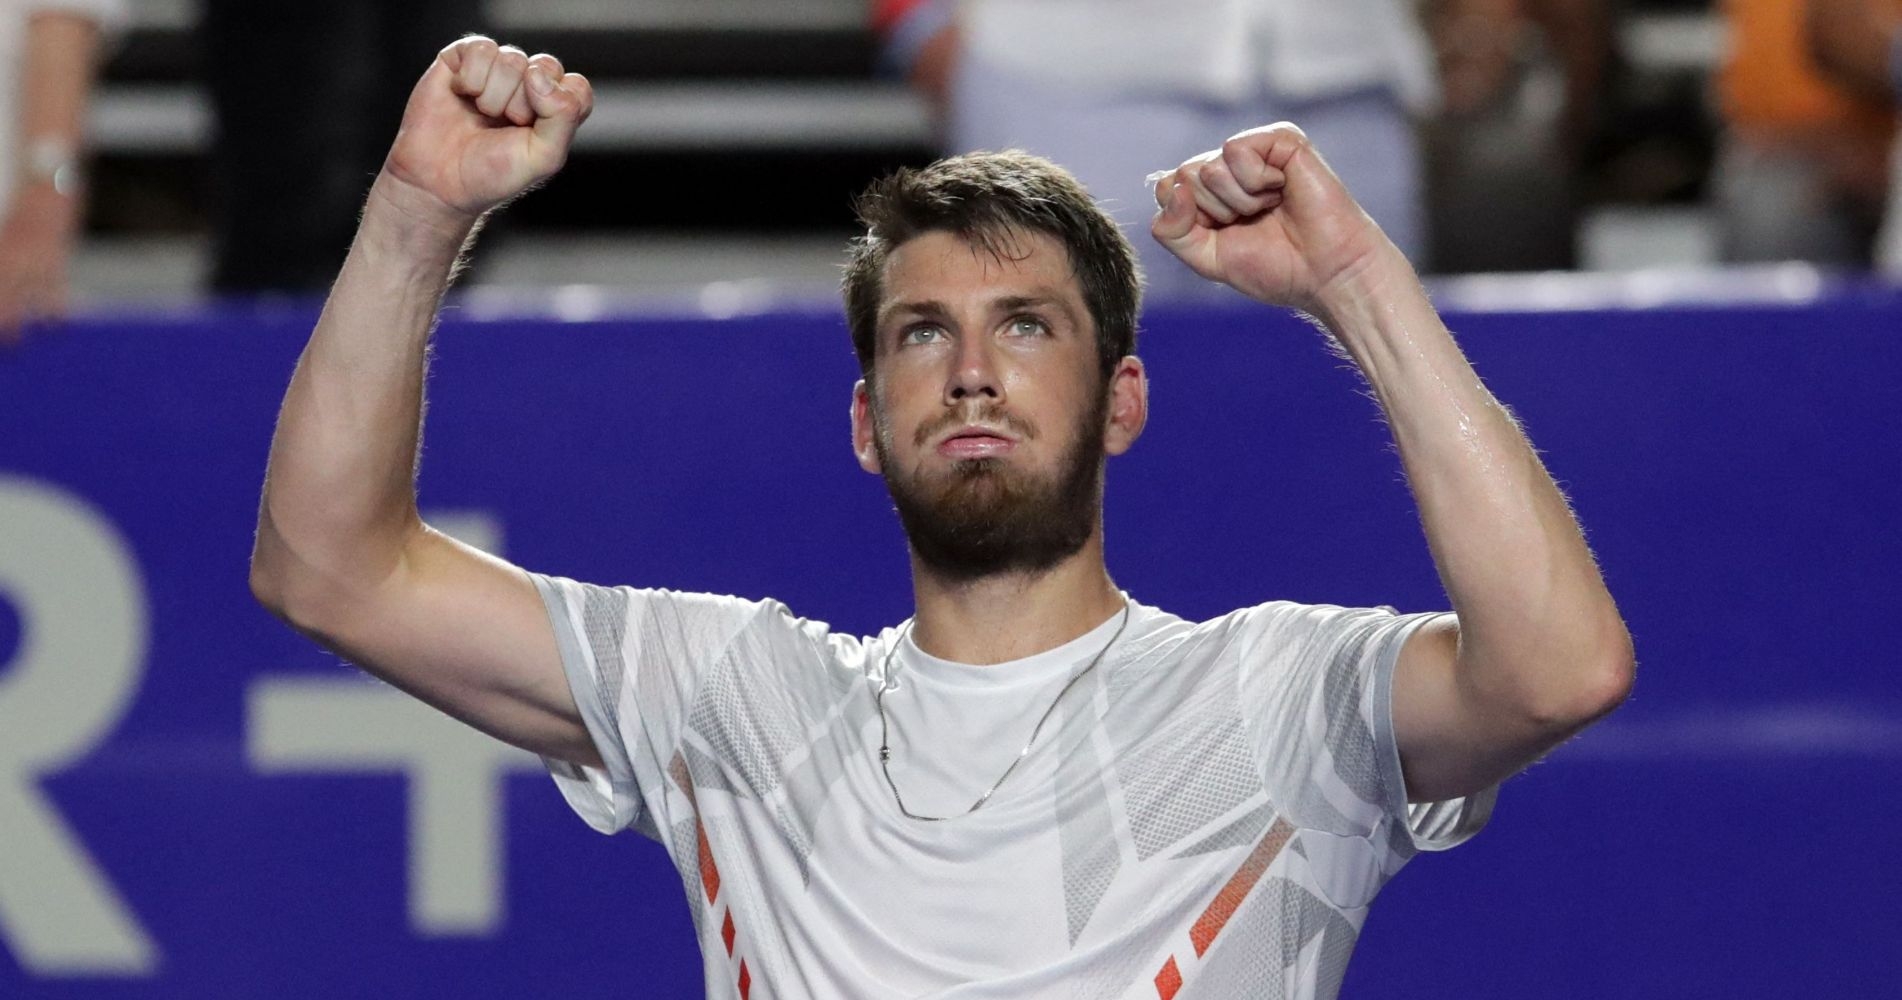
[(341, 553)]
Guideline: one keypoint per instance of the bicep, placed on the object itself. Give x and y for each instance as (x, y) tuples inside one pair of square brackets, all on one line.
[(1453, 741), (468, 633)]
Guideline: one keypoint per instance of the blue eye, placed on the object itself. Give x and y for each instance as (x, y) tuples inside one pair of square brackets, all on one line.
[(1028, 326), (921, 335)]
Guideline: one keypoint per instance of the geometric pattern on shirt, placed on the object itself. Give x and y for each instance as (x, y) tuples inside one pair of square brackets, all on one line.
[(751, 729), (1091, 857), (1184, 776), (1243, 830), (1266, 923), (604, 623), (807, 787), (1267, 937), (748, 737), (717, 906), (707, 773), (1349, 741)]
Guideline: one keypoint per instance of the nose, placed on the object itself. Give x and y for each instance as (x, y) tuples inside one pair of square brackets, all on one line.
[(974, 373)]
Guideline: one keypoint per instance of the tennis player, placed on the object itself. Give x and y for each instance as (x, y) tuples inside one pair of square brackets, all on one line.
[(1037, 786)]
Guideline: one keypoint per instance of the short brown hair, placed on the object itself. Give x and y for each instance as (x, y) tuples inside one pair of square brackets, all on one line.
[(985, 199)]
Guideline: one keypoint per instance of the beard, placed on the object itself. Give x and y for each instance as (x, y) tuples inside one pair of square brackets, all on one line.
[(985, 517)]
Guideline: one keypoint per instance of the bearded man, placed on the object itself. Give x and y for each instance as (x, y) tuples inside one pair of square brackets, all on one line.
[(1036, 786)]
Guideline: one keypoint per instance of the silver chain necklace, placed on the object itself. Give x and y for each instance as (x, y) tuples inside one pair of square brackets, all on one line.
[(884, 726)]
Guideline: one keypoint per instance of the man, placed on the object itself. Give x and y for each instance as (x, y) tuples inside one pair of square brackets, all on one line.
[(1037, 786)]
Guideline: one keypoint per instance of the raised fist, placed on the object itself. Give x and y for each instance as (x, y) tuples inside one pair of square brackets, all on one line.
[(486, 123), (1265, 215)]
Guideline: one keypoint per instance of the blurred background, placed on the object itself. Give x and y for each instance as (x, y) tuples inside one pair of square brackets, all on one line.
[(731, 134), (1663, 230)]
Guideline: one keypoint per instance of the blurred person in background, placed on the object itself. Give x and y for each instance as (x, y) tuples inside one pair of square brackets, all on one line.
[(307, 96), (1521, 84), (1055, 77), (1857, 44), (49, 56), (1802, 171)]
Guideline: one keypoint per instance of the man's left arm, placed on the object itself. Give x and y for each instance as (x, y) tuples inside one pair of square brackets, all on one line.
[(1539, 650)]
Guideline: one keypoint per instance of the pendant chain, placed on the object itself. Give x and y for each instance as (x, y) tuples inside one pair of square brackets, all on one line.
[(884, 725)]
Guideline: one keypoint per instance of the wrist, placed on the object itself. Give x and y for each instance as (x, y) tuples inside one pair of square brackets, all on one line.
[(1353, 298), (399, 216)]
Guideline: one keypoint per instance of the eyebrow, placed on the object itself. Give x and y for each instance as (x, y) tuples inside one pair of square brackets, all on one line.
[(1013, 302), (936, 310), (927, 309)]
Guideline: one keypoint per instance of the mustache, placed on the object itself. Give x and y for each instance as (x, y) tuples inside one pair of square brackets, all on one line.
[(990, 415)]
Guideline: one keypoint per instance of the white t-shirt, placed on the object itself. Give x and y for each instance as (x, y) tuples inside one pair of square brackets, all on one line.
[(1207, 813)]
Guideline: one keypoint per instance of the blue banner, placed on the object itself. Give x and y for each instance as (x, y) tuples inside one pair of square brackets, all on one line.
[(195, 802)]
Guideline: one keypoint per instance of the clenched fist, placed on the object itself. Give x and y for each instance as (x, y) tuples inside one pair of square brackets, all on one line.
[(1266, 216), (486, 123)]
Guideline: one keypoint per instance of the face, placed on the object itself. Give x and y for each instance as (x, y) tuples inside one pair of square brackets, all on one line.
[(986, 413)]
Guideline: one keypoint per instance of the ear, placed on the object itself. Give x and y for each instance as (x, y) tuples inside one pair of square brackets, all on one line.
[(1128, 405), (864, 426)]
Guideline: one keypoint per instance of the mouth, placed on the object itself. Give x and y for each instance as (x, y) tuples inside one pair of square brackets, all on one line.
[(976, 442)]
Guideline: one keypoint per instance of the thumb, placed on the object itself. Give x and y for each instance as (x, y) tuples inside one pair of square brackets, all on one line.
[(1183, 231), (1176, 218)]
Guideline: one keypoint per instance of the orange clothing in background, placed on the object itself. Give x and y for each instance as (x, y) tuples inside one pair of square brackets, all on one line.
[(1773, 96), (1769, 84)]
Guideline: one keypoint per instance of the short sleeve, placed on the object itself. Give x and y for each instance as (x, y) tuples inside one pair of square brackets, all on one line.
[(1318, 684), (634, 659)]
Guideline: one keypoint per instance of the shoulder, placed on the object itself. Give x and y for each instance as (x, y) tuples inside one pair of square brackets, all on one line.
[(1283, 626), (700, 619), (1272, 637)]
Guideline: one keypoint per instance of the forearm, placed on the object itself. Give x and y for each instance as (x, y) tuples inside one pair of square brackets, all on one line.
[(62, 53), (1539, 632), (339, 498)]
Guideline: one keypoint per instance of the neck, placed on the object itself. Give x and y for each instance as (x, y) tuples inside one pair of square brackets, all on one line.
[(1009, 616)]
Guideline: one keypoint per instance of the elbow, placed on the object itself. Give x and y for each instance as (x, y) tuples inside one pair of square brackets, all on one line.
[(1610, 685), (277, 593), (309, 586), (1596, 683), (266, 590), (267, 584), (293, 591)]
